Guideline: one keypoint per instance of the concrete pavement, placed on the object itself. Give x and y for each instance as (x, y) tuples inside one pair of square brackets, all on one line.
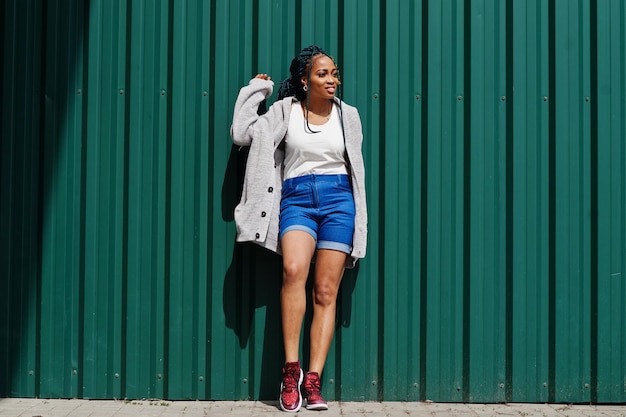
[(21, 407)]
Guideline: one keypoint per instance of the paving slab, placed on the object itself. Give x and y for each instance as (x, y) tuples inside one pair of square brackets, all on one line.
[(23, 407)]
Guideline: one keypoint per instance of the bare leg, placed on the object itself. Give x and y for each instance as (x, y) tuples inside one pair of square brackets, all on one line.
[(298, 248), (329, 268)]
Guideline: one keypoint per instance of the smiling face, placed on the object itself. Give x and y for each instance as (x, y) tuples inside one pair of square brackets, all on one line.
[(324, 78)]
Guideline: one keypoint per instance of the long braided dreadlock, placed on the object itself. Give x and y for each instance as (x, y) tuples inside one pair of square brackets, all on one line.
[(292, 86)]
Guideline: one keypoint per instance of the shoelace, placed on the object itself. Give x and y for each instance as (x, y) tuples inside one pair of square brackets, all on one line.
[(290, 380), (313, 386)]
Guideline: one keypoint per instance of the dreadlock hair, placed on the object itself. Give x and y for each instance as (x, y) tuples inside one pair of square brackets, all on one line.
[(292, 87), (300, 65)]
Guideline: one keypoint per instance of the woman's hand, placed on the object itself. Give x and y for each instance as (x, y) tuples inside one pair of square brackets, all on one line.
[(264, 77)]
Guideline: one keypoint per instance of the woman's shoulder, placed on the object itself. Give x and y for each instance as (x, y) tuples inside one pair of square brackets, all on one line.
[(345, 106), (348, 111)]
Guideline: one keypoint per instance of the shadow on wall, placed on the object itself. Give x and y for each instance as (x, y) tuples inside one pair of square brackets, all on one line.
[(254, 278), (43, 141), (38, 64), (252, 281)]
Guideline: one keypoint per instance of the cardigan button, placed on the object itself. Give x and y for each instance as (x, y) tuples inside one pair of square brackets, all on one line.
[(257, 235), (263, 214), (271, 189)]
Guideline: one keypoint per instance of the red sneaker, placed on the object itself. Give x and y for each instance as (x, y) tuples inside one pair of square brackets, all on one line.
[(312, 392), (290, 397)]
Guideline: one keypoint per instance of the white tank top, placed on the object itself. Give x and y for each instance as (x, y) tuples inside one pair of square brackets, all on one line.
[(313, 153)]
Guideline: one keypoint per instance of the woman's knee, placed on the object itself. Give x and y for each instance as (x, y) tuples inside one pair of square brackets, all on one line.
[(325, 294), (295, 272)]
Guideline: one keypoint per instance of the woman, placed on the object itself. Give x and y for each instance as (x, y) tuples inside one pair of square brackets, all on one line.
[(304, 197)]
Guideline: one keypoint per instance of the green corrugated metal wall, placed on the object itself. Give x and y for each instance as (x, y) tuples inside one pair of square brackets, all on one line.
[(495, 150)]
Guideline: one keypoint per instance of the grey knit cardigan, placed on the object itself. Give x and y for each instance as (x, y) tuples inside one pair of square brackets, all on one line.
[(257, 214)]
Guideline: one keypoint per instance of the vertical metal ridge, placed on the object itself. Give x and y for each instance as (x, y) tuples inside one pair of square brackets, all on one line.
[(467, 202), (82, 40), (593, 295), (40, 190), (341, 20), (255, 38), (84, 205), (382, 208), (552, 200), (423, 273), (167, 265), (509, 222), (121, 375), (212, 80), (80, 325), (298, 33)]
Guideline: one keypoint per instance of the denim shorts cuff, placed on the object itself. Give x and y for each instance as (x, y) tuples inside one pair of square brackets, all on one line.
[(298, 227), (341, 247)]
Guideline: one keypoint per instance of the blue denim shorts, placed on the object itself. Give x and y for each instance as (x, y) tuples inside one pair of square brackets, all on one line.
[(321, 205)]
